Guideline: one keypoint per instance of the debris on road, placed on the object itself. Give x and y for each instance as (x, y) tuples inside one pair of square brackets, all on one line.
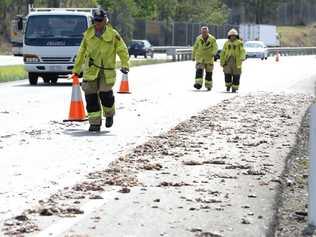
[(231, 151)]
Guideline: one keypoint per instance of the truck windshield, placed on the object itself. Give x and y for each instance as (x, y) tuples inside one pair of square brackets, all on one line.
[(55, 30)]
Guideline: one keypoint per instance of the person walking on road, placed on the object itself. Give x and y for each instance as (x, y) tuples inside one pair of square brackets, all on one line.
[(97, 59), (232, 56), (204, 49)]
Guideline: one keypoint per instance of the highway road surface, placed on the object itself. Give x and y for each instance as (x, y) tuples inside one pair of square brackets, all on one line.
[(40, 155)]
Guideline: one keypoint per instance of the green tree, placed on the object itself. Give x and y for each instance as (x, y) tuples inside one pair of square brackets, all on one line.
[(206, 11), (256, 11), (166, 9), (65, 3), (146, 9), (122, 12)]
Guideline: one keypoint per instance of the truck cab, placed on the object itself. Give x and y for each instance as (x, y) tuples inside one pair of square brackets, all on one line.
[(51, 40)]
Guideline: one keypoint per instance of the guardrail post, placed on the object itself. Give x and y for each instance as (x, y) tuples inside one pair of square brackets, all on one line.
[(312, 168)]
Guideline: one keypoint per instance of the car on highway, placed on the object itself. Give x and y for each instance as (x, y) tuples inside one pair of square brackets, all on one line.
[(256, 49), (220, 45), (140, 48)]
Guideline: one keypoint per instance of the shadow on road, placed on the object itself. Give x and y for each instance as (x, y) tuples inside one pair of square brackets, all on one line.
[(60, 84), (86, 133), (200, 91)]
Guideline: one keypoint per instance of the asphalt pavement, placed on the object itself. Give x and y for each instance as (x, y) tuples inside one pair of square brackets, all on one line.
[(41, 155)]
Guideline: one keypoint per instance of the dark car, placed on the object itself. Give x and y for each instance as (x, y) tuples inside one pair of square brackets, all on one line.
[(141, 48)]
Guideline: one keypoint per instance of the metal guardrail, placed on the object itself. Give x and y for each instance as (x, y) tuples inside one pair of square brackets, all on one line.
[(182, 53), (178, 53), (164, 49), (292, 51)]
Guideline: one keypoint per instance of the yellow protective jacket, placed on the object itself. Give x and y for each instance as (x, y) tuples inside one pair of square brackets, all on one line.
[(204, 51), (235, 49), (101, 52)]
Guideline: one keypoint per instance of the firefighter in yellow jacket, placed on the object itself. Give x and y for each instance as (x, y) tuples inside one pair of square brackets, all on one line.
[(97, 59), (204, 49), (232, 56)]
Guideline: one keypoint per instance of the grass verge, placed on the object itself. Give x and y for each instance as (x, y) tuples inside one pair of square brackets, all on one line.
[(297, 36), (14, 73)]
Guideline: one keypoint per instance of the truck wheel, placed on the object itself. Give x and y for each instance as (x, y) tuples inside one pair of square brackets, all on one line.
[(33, 78), (46, 80), (54, 79)]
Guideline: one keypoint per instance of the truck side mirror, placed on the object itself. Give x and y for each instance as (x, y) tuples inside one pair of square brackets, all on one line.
[(20, 23)]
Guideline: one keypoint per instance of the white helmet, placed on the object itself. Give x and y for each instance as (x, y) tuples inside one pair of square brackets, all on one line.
[(232, 32)]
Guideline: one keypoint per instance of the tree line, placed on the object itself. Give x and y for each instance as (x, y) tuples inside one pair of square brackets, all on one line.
[(124, 12)]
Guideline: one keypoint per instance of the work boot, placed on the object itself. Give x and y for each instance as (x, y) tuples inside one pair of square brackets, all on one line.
[(94, 128), (197, 86), (228, 89), (209, 88), (109, 122), (234, 90)]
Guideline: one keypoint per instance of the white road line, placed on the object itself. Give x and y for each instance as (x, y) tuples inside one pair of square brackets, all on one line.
[(65, 224)]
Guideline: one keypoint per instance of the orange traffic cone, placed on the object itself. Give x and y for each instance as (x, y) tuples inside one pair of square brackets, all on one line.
[(77, 112), (124, 88), (277, 56)]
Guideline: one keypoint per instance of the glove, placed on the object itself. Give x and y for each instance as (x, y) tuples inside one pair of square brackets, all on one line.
[(124, 70), (75, 75), (72, 76)]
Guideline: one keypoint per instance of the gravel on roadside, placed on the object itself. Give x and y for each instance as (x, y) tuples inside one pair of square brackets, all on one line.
[(292, 214), (223, 165)]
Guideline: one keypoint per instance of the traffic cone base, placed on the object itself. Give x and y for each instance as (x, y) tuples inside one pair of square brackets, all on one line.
[(77, 112), (124, 87)]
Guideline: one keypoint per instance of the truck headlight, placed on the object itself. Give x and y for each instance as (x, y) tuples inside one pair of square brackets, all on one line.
[(30, 58)]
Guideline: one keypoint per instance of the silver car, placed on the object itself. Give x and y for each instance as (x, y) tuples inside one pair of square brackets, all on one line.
[(256, 49)]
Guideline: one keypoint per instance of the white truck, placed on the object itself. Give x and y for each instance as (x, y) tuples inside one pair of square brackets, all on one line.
[(265, 33), (51, 40)]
